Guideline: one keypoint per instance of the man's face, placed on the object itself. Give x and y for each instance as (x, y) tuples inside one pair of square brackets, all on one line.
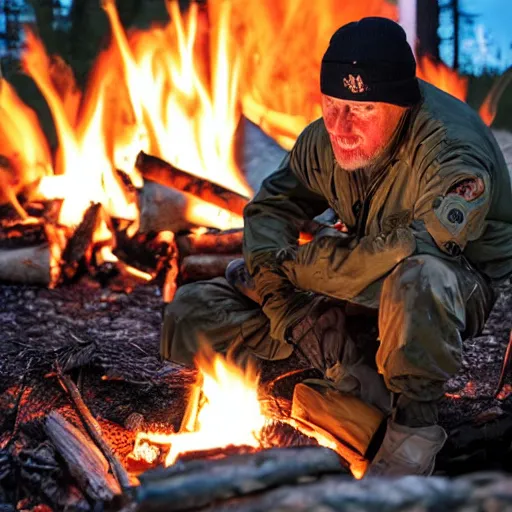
[(359, 131)]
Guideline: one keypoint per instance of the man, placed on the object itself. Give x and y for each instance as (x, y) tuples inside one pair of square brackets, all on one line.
[(424, 192)]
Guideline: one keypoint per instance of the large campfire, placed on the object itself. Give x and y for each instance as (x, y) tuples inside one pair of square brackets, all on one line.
[(144, 192)]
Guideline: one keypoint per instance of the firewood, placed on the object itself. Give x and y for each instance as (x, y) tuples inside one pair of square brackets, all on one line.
[(18, 234), (166, 209), (27, 265), (94, 430), (79, 242), (222, 242), (480, 491), (85, 461), (198, 483), (205, 266), (159, 171)]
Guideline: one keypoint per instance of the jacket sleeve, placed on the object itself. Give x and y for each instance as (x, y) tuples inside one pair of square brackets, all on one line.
[(454, 199), (272, 222)]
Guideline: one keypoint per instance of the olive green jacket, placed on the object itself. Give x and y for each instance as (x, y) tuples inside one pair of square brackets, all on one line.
[(400, 208)]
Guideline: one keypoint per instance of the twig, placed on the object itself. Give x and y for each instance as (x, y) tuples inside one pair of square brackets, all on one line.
[(94, 430), (505, 366)]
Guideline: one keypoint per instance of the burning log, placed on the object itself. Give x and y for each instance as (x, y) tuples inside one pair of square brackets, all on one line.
[(162, 209), (224, 242), (29, 252), (79, 242), (84, 460), (159, 171), (195, 484), (205, 266), (17, 234), (165, 209)]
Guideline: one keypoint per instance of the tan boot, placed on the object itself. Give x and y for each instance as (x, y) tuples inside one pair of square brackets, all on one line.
[(407, 451)]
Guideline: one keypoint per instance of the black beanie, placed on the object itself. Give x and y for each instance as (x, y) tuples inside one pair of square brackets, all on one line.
[(370, 60)]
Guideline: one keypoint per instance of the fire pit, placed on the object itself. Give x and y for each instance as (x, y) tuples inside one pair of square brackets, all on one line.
[(144, 193)]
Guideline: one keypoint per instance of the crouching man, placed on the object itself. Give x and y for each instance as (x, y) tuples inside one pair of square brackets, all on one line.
[(422, 187)]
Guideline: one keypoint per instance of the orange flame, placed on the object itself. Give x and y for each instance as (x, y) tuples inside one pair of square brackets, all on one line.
[(83, 172), (178, 106), (443, 77), (24, 146), (282, 44), (223, 410), (188, 121)]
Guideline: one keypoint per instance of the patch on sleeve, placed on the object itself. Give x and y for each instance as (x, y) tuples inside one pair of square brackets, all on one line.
[(469, 189), (461, 204)]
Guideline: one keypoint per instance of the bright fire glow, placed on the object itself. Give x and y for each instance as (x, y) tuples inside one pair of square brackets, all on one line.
[(24, 147), (282, 44), (156, 90), (83, 171), (440, 75), (190, 121), (223, 410)]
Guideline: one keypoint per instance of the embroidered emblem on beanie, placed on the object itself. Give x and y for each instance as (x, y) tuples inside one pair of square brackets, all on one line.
[(355, 84)]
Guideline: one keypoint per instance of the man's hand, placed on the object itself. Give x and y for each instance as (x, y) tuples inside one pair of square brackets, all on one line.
[(320, 335)]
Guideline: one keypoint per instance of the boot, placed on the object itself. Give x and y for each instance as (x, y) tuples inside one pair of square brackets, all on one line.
[(407, 450)]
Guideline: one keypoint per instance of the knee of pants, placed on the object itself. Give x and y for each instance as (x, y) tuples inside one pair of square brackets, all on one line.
[(173, 346), (420, 318), (424, 272)]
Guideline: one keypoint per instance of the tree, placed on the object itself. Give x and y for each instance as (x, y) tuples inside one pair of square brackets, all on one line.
[(427, 15)]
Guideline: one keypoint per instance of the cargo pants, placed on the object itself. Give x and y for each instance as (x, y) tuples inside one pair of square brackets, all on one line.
[(426, 307)]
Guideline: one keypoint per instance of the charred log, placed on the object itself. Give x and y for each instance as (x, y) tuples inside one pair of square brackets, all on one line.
[(94, 430), (205, 266), (84, 460), (19, 234), (221, 242), (79, 242), (159, 171), (482, 491), (198, 483)]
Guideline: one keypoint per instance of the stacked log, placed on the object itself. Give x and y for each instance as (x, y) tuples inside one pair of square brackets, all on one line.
[(29, 252)]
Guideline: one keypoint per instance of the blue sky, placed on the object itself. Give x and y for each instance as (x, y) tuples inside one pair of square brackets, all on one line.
[(486, 45)]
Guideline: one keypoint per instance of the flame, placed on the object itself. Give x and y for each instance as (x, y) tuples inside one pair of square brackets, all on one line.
[(190, 121), (282, 44), (24, 147), (152, 90), (443, 77), (223, 410), (83, 172)]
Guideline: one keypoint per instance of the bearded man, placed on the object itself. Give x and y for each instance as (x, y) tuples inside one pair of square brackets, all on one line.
[(423, 190)]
